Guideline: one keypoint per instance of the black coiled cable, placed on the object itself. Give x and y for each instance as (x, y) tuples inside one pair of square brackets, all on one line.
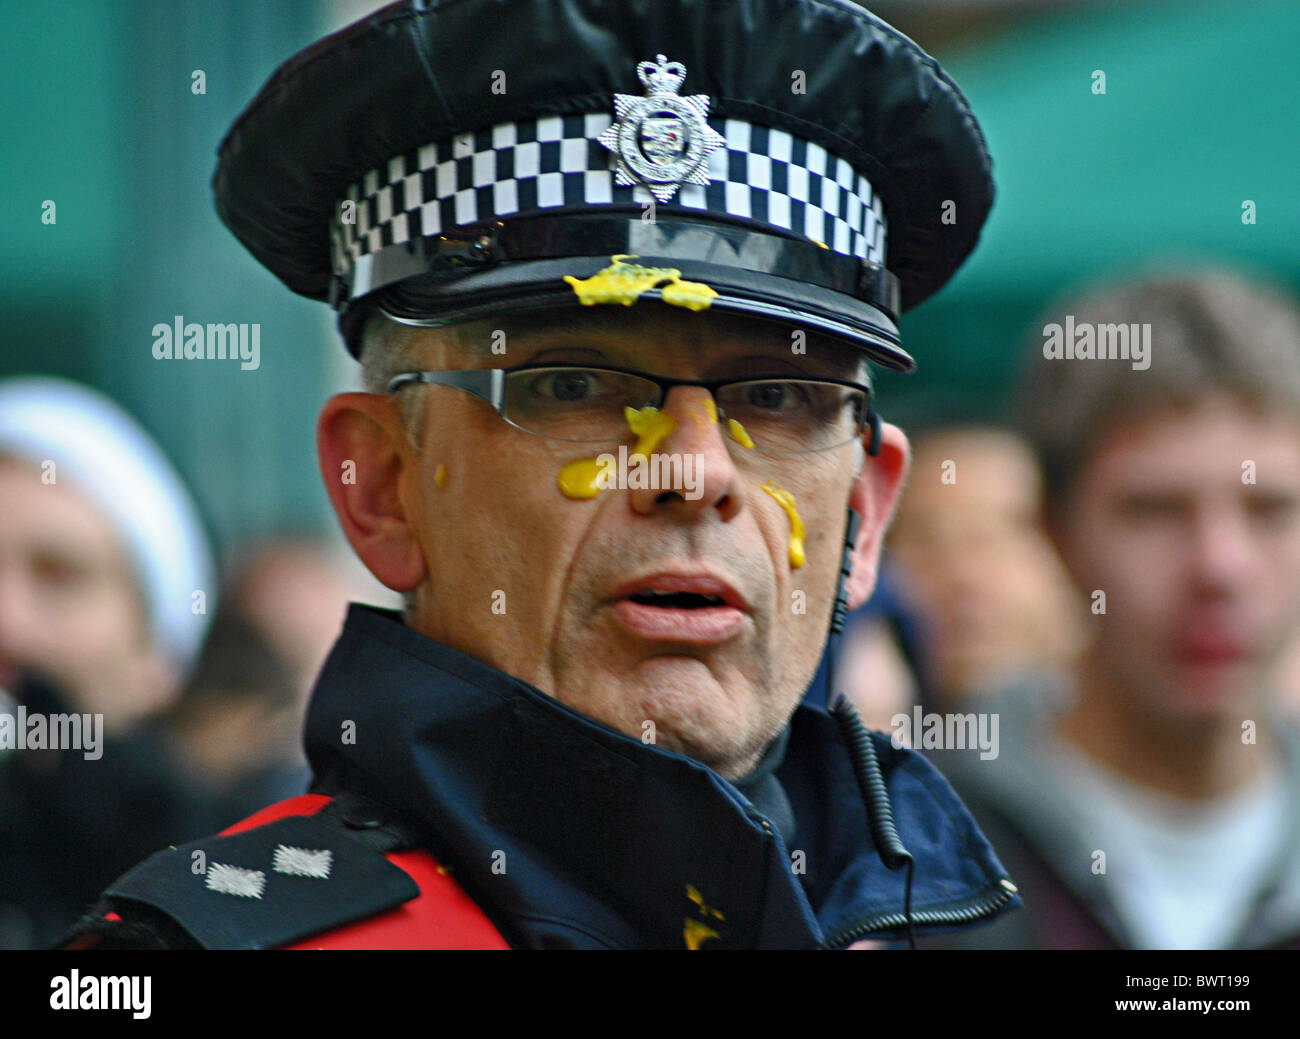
[(862, 751), (880, 814)]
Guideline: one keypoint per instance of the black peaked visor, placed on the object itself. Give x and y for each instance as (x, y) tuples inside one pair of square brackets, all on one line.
[(515, 265)]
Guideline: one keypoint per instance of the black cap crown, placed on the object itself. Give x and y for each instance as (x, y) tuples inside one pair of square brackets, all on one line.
[(794, 159)]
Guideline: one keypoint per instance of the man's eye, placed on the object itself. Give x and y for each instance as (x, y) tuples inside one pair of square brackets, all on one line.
[(1151, 506), (56, 571), (567, 385), (1272, 508), (769, 396)]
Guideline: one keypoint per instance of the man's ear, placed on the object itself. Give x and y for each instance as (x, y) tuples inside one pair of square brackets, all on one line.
[(365, 458), (874, 495)]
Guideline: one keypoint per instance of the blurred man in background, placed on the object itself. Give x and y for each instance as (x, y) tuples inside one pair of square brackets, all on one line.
[(879, 669), (1160, 808), (993, 599), (105, 583)]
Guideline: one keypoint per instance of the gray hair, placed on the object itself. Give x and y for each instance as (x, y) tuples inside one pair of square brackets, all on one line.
[(389, 348)]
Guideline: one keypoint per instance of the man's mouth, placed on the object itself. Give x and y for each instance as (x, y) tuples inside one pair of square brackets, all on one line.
[(694, 608), (677, 600), (1211, 650)]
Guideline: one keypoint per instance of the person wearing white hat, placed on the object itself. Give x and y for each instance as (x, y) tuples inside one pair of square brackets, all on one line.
[(106, 588), (106, 577)]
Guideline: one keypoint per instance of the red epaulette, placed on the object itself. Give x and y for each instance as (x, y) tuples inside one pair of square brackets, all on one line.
[(442, 916), (311, 872)]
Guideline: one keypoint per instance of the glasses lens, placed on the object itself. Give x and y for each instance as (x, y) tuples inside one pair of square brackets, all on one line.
[(794, 416), (582, 404), (781, 416)]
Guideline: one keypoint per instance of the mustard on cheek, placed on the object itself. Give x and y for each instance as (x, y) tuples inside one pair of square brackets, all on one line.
[(786, 500), (585, 478)]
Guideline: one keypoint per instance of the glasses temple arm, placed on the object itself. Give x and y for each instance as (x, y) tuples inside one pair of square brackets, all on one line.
[(485, 383)]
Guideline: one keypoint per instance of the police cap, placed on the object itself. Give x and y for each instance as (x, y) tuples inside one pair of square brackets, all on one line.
[(798, 160)]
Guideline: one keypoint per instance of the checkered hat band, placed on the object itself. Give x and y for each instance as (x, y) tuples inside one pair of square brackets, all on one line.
[(522, 168)]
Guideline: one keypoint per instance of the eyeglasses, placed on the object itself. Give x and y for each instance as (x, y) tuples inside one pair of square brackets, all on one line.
[(780, 414)]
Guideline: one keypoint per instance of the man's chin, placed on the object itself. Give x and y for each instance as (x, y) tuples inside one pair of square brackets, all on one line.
[(1215, 698), (690, 700), (1213, 692), (712, 739)]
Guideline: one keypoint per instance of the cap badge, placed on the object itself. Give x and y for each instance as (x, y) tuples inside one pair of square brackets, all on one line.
[(661, 140)]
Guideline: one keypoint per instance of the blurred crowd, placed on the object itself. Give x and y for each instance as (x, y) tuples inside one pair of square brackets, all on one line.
[(1114, 576)]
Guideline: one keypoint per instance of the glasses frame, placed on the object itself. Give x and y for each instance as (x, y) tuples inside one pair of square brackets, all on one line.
[(489, 385)]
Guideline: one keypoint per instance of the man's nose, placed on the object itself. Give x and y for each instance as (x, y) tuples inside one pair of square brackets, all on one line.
[(692, 465), (1222, 549)]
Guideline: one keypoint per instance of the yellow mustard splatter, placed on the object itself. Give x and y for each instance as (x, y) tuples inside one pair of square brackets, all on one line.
[(586, 477), (626, 282), (440, 476), (786, 500), (738, 433), (638, 419), (698, 899), (693, 295), (581, 478), (696, 933), (650, 426)]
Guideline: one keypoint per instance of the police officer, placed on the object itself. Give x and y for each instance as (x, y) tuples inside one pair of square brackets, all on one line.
[(615, 273)]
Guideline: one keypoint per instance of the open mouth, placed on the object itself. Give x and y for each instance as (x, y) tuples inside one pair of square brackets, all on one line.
[(696, 608), (676, 600)]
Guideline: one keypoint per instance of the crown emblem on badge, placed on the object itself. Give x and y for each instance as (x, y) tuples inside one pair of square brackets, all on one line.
[(662, 76), (662, 140)]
